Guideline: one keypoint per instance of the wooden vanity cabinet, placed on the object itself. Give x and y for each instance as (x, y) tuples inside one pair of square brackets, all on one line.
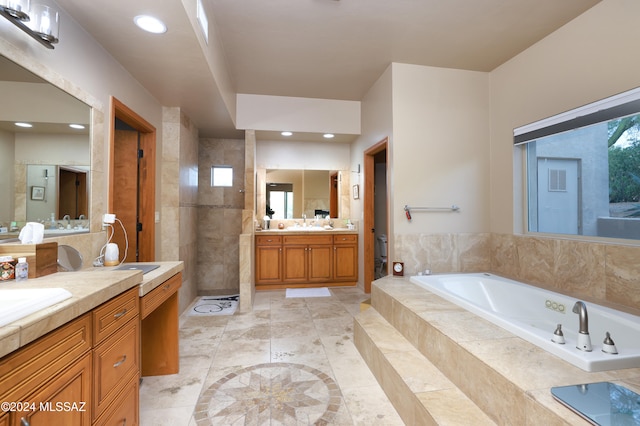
[(116, 355), (54, 369), (345, 258), (306, 260), (268, 259), (84, 372)]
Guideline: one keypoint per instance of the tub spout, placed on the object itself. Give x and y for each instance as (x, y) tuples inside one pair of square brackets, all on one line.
[(584, 341)]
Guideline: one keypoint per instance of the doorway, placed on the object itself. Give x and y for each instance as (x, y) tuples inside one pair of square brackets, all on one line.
[(376, 209), (132, 183)]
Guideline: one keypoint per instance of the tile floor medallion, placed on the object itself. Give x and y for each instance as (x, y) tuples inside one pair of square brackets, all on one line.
[(290, 361), (279, 392)]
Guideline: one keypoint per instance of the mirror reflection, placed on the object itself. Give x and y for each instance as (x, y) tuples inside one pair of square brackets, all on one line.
[(44, 163), (294, 193)]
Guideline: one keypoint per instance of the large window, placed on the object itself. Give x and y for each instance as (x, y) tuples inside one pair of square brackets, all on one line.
[(583, 170)]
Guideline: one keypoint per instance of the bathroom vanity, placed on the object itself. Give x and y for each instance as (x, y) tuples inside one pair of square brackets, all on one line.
[(79, 361), (291, 259)]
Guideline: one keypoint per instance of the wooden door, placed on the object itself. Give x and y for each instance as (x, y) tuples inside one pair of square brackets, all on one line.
[(72, 194), (125, 194), (319, 263), (141, 232)]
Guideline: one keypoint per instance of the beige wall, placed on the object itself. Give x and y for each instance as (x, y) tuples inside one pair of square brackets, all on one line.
[(452, 142), (81, 67), (590, 58)]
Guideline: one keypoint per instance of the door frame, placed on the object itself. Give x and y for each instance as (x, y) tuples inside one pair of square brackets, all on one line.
[(369, 210), (147, 181)]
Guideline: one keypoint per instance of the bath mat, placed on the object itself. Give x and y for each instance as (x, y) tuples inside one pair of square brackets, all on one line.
[(308, 292), (215, 305)]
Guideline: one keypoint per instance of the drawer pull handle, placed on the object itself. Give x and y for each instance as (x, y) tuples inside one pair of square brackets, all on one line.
[(119, 363), (121, 313), (24, 422), (167, 286)]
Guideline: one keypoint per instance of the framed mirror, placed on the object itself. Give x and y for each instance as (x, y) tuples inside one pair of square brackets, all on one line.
[(45, 162)]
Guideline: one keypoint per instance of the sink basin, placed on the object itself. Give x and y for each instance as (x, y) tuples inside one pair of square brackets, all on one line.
[(18, 303)]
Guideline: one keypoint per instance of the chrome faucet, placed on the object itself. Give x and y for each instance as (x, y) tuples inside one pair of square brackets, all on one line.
[(584, 341), (67, 218), (304, 219)]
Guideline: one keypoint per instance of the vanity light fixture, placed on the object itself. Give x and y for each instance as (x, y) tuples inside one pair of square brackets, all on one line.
[(328, 135), (25, 125), (286, 133), (150, 24), (40, 22), (76, 126)]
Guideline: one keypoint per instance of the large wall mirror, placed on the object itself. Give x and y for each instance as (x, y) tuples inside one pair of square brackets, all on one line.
[(45, 168), (294, 193)]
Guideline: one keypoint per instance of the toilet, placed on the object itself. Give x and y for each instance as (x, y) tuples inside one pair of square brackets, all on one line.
[(382, 248)]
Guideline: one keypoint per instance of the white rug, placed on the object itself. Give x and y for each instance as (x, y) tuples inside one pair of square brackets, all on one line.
[(214, 305), (308, 292)]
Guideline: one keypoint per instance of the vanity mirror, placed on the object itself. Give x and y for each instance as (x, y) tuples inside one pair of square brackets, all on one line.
[(290, 194), (45, 167)]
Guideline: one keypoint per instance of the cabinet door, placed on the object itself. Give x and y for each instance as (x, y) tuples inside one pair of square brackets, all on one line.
[(66, 400), (268, 264), (319, 263), (345, 262), (294, 261)]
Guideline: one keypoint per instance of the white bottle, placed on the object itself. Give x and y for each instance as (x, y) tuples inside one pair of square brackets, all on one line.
[(22, 269)]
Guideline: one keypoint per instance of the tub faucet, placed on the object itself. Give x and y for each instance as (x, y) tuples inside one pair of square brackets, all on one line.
[(584, 341)]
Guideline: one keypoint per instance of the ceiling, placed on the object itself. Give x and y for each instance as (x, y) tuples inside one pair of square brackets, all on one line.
[(331, 49)]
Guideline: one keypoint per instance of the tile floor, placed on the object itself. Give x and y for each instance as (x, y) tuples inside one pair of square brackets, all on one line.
[(289, 362)]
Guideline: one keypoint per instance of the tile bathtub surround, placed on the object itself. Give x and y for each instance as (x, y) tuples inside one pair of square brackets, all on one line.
[(507, 377), (289, 361), (603, 273)]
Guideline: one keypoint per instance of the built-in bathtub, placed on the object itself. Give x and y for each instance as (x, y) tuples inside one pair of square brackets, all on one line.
[(533, 314)]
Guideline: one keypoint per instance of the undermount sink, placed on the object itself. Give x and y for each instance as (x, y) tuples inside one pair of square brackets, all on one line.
[(18, 303)]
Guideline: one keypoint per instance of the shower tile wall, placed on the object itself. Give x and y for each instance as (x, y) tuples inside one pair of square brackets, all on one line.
[(219, 217), (179, 196)]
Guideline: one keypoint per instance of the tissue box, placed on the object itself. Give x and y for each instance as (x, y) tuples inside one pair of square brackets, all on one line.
[(42, 258)]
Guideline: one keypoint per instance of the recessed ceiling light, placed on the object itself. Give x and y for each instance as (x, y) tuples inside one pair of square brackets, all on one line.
[(24, 124), (286, 133), (328, 135), (150, 24), (76, 126)]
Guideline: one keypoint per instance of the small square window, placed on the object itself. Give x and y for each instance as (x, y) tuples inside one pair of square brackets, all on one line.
[(221, 176)]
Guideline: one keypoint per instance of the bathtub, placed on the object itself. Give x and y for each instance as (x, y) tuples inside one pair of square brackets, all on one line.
[(532, 313)]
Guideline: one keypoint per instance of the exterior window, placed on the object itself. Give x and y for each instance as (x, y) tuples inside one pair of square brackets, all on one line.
[(221, 176), (583, 173)]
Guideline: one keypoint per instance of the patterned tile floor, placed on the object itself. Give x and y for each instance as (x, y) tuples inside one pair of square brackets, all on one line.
[(289, 362)]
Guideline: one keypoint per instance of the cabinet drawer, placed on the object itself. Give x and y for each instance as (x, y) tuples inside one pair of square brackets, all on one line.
[(115, 362), (307, 239), (111, 315), (158, 295), (29, 367), (262, 240), (124, 411), (345, 239)]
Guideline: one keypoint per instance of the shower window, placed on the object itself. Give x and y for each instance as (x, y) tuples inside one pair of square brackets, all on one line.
[(583, 170)]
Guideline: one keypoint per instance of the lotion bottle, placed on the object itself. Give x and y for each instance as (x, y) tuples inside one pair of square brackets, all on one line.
[(22, 269)]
